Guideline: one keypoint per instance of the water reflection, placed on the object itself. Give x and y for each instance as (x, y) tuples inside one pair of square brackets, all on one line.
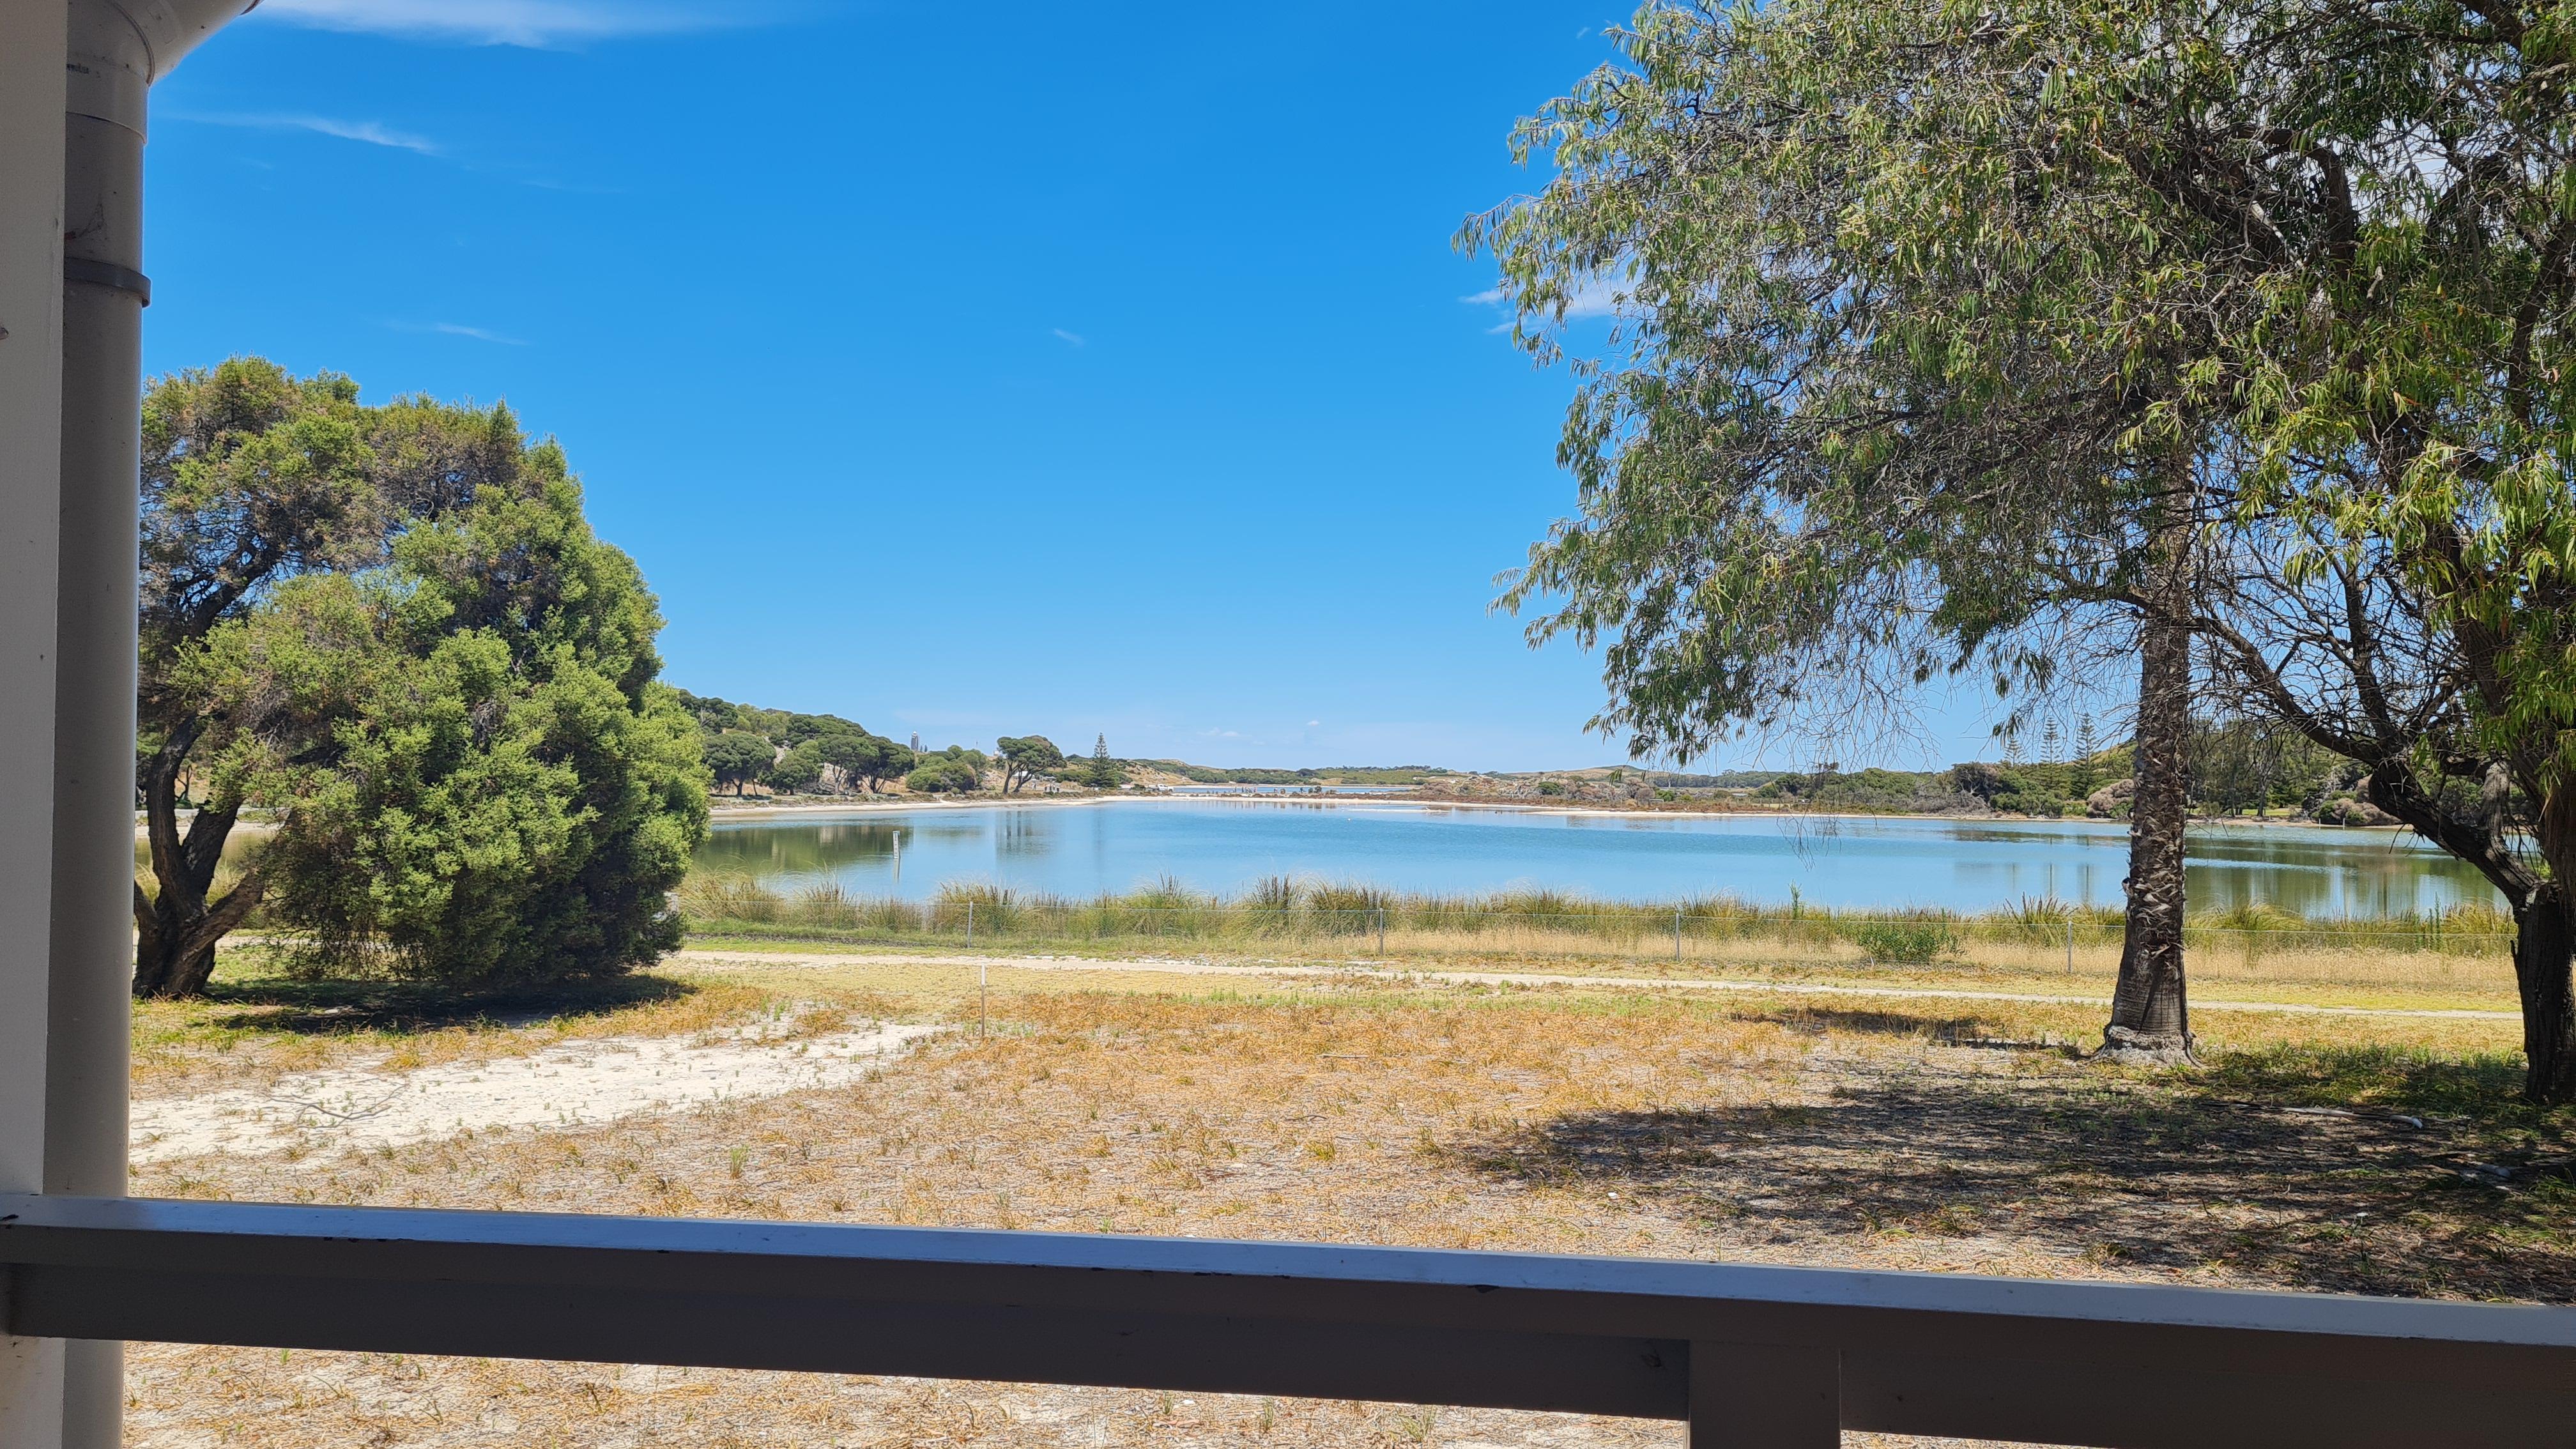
[(1224, 845)]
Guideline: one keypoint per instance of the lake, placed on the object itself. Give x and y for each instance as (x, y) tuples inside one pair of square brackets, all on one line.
[(1223, 845)]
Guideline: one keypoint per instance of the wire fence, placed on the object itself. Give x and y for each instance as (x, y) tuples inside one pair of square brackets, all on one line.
[(1684, 935)]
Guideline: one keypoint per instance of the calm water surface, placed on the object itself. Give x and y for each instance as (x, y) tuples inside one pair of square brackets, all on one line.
[(1224, 845)]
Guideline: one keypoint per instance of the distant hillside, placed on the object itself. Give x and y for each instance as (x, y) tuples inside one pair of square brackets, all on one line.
[(784, 727), (786, 731), (1321, 775)]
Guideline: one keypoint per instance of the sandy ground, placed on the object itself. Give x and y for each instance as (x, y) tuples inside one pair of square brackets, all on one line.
[(364, 1107), (1401, 976), (1149, 1096)]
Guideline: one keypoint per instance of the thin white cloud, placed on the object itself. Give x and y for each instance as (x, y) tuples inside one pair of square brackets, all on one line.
[(458, 329), (533, 23), (479, 334), (369, 132), (1312, 723), (1075, 338)]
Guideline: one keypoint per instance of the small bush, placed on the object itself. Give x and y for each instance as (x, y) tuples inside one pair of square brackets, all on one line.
[(1906, 943)]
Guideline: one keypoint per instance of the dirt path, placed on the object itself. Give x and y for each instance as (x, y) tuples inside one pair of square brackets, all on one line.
[(1186, 966)]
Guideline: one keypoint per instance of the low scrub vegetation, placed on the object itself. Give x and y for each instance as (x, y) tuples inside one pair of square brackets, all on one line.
[(1282, 912)]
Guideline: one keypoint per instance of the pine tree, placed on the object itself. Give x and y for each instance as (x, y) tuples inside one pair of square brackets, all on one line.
[(1103, 771)]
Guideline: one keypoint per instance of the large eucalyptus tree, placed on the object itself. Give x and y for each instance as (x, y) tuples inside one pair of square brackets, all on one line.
[(1905, 381), (2398, 580), (2275, 291)]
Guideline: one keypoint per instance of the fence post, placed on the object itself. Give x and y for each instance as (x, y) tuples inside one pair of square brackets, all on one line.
[(1381, 930), (2070, 945), (970, 923), (1677, 935)]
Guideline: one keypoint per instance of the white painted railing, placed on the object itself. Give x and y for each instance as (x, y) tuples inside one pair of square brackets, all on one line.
[(1750, 1356)]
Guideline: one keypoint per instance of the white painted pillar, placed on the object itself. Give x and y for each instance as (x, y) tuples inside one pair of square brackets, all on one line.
[(31, 294), (108, 76), (106, 55)]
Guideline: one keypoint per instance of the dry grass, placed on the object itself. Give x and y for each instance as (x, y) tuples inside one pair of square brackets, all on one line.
[(2314, 972), (1596, 1121), (253, 1028), (2461, 957)]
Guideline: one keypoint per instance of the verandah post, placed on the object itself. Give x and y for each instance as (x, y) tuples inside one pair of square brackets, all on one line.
[(31, 292), (1765, 1396)]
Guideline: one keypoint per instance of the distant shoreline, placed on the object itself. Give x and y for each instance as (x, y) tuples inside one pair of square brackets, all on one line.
[(886, 805)]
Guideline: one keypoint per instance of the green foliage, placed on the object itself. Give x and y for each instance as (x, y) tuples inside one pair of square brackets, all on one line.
[(799, 770), (1321, 775), (872, 759), (1870, 790), (1101, 772), (856, 756), (477, 777), (736, 757), (1853, 429), (2244, 766), (1024, 758), (1905, 943), (953, 772)]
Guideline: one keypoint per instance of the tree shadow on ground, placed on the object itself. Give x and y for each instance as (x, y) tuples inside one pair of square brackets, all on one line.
[(1971, 1030), (2228, 1168), (333, 1008)]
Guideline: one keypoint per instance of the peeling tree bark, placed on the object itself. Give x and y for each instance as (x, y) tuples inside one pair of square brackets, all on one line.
[(2150, 1011), (2544, 947)]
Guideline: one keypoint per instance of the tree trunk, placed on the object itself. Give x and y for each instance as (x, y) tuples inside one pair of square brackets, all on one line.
[(2150, 1014), (176, 927), (2544, 943)]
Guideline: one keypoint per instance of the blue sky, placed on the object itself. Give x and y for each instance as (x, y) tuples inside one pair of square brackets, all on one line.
[(968, 371)]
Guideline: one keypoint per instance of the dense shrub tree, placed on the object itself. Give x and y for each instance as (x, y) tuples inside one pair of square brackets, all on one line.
[(393, 629), (865, 758), (799, 770), (1024, 758), (738, 758), (943, 775)]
